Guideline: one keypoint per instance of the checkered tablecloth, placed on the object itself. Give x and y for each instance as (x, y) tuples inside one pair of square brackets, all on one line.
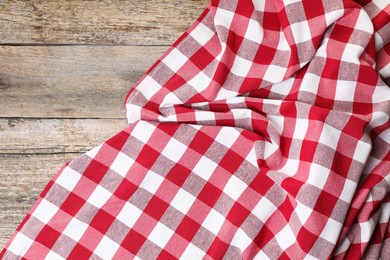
[(262, 133)]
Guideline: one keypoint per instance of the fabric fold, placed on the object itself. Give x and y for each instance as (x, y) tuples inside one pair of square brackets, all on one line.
[(262, 133)]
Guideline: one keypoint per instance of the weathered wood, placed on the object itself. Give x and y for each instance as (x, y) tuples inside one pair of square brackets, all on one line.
[(30, 136), (132, 22), (48, 94), (23, 177), (70, 81)]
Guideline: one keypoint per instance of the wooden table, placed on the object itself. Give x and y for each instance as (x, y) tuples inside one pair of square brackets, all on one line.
[(65, 68)]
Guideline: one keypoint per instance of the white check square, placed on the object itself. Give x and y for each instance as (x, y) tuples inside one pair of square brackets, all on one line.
[(213, 222), (362, 151), (290, 168), (310, 83), (318, 175), (254, 31), (241, 240), (151, 182), (133, 114), (75, 229), (223, 17), (331, 231), (200, 82), (129, 214), (270, 149), (175, 60), (252, 157), (259, 5), (363, 22), (68, 178), (366, 231), (288, 2), (283, 87), (348, 190), (241, 113), (20, 244), (330, 136), (381, 93), (301, 31), (283, 44), (174, 150), (183, 201), (264, 209), (53, 256), (303, 212), (107, 248), (99, 196), (169, 100), (160, 235), (261, 256), (148, 87), (241, 66), (234, 187), (224, 93), (192, 252), (274, 73), (202, 34), (378, 118), (205, 168), (345, 90), (122, 164), (277, 122), (333, 16), (204, 116), (45, 211), (352, 53), (323, 49), (227, 136), (285, 237), (301, 127), (142, 131)]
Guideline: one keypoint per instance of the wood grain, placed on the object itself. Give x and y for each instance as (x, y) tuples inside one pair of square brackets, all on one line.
[(132, 22), (65, 68), (43, 136), (70, 81), (23, 178)]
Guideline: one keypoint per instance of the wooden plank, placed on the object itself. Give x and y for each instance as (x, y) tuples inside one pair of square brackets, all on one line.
[(132, 22), (70, 81), (32, 136), (23, 177)]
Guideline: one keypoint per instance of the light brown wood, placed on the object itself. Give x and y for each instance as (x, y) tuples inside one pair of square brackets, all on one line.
[(70, 81), (23, 178), (65, 68), (135, 22), (43, 136)]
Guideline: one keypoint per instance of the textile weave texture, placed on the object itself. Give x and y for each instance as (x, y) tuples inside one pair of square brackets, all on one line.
[(262, 133)]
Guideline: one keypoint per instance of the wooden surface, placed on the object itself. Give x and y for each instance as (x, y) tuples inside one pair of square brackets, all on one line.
[(131, 22), (65, 69), (70, 81)]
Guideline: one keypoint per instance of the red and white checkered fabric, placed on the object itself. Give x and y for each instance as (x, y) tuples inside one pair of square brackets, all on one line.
[(262, 133)]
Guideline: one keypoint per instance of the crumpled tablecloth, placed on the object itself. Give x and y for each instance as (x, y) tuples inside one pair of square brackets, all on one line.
[(262, 133)]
